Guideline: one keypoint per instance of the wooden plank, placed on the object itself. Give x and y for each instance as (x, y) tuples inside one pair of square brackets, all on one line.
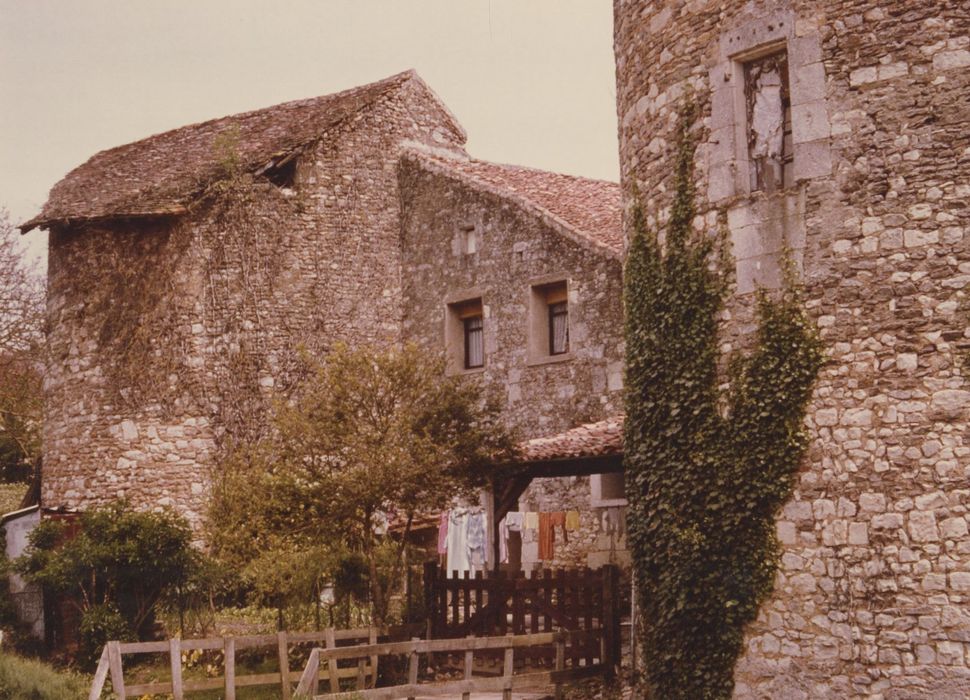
[(283, 652), (117, 671), (144, 647), (413, 670), (560, 663), (229, 650), (100, 675), (308, 681), (205, 684), (469, 662), (507, 670), (140, 689), (438, 645), (372, 638), (202, 644), (332, 663), (175, 663)]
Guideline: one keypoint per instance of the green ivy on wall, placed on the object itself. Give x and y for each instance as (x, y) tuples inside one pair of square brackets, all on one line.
[(708, 468)]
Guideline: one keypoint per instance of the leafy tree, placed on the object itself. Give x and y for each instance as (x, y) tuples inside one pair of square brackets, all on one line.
[(707, 469), (113, 564), (21, 319), (372, 435)]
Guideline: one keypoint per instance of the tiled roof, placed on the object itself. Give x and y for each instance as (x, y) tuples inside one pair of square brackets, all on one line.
[(587, 209), (598, 439), (165, 173)]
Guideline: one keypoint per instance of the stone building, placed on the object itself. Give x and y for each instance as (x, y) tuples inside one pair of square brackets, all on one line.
[(187, 270), (838, 129)]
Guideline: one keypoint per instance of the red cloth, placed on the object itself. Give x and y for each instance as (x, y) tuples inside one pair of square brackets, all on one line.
[(547, 537)]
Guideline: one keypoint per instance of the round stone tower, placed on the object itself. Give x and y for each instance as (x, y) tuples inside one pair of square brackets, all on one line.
[(837, 130)]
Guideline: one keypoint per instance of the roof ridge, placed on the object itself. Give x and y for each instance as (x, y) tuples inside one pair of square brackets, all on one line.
[(572, 232)]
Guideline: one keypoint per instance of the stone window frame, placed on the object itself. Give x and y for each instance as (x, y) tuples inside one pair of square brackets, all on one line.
[(538, 321), (596, 492), (454, 331), (729, 169)]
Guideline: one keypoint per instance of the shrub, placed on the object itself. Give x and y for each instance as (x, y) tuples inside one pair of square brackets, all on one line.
[(99, 625)]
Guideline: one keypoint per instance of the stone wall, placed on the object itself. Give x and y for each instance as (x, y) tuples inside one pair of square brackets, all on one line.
[(167, 340), (871, 598), (516, 250)]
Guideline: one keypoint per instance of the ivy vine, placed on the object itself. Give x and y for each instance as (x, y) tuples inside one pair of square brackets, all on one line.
[(712, 446)]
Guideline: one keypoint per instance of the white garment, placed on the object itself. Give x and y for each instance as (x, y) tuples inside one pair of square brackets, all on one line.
[(457, 542)]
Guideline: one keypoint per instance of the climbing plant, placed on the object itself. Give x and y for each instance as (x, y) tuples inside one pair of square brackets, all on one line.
[(712, 444)]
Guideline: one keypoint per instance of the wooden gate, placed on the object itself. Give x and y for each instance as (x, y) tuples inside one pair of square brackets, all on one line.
[(495, 603)]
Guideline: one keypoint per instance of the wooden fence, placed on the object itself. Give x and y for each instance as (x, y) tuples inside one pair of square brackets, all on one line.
[(559, 642), (489, 604), (111, 663)]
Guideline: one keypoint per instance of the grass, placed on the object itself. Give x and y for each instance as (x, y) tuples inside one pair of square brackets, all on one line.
[(25, 679)]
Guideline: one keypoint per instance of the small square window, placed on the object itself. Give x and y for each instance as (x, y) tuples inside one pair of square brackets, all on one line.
[(469, 240)]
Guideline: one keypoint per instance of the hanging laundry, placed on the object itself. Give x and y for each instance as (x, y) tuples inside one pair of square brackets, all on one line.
[(513, 520), (531, 521), (572, 519), (558, 519), (547, 537), (475, 540), (443, 532), (457, 542)]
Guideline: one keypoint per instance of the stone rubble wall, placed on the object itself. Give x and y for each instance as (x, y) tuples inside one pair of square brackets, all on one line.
[(168, 341), (516, 250), (871, 597)]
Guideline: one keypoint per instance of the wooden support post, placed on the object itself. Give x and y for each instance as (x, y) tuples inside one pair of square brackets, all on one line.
[(610, 622), (361, 675), (492, 548), (117, 670), (372, 639), (100, 675), (413, 666), (229, 650), (469, 663), (310, 680), (332, 663), (175, 662), (430, 596), (560, 662), (283, 650), (507, 669)]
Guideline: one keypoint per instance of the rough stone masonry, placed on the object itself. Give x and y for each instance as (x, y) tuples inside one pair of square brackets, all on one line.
[(837, 129)]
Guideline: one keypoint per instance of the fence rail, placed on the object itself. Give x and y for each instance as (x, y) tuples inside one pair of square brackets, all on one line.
[(111, 661), (507, 682)]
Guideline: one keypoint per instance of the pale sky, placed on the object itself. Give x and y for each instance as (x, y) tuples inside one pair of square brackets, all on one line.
[(532, 81)]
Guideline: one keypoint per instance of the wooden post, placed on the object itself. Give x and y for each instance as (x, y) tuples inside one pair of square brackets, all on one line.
[(310, 680), (469, 662), (560, 661), (229, 651), (332, 663), (430, 596), (413, 666), (361, 675), (372, 639), (611, 621), (117, 670), (491, 528), (283, 649), (175, 661), (507, 669), (100, 675)]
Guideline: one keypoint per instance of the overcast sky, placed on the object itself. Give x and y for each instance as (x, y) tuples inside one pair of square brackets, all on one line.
[(531, 80)]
